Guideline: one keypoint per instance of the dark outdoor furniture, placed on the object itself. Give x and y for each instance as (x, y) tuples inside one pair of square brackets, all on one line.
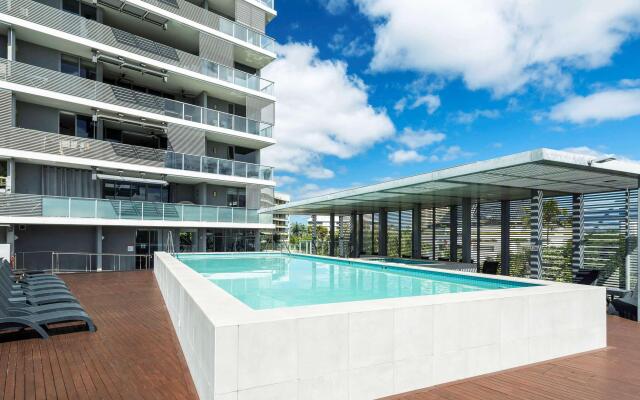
[(490, 267), (587, 277), (626, 309)]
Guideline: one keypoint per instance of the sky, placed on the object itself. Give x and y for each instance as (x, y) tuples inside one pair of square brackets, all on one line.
[(372, 90)]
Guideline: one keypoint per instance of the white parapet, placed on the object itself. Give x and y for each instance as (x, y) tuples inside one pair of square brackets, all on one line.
[(371, 349)]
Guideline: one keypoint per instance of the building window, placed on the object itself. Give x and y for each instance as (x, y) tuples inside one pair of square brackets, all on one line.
[(76, 125), (67, 124), (79, 8), (76, 66), (135, 191), (236, 197)]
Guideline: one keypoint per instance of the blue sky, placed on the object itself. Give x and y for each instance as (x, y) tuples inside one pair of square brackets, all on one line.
[(370, 90)]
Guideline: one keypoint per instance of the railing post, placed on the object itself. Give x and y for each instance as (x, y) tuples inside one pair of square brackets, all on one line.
[(69, 206), (142, 212), (182, 216), (163, 214), (120, 209)]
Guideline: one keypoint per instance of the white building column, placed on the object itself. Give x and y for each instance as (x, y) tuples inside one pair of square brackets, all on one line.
[(11, 44), (11, 176), (99, 238)]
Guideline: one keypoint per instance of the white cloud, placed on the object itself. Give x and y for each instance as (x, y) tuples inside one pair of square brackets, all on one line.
[(501, 45), (335, 7), (587, 151), (400, 105), (431, 101), (321, 111), (283, 180), (354, 48), (405, 156), (468, 118), (417, 139), (450, 153), (610, 104)]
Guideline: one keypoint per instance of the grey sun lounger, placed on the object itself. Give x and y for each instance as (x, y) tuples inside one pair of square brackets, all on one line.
[(22, 291), (23, 306), (38, 322), (29, 280), (21, 297)]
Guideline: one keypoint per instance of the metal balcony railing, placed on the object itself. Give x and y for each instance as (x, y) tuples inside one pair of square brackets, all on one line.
[(76, 25), (43, 78), (53, 143), (20, 205)]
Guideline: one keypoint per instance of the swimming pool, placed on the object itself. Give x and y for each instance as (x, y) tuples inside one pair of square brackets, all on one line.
[(408, 261), (272, 326), (267, 281)]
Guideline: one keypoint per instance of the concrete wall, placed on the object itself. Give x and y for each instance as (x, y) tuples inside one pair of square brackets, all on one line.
[(371, 349), (28, 178), (33, 54), (34, 116)]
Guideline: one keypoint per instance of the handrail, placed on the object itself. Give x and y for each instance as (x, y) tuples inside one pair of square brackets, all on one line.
[(76, 25), (59, 82)]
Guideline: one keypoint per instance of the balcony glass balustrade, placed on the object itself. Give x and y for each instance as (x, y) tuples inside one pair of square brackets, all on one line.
[(70, 207), (42, 78)]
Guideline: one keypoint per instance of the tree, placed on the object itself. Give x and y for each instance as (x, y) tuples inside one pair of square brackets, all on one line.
[(553, 215)]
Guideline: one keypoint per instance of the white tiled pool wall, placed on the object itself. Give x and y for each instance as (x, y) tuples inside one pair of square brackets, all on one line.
[(365, 350)]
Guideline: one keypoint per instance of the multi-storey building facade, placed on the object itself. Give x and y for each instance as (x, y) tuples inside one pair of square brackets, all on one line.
[(122, 121), (281, 221)]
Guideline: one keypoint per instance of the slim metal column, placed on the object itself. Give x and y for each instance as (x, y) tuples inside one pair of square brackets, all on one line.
[(383, 232), (416, 231), (11, 44), (332, 233), (577, 238), (360, 235), (453, 233), (505, 236), (638, 254), (536, 259), (99, 248), (341, 236), (478, 238), (314, 233)]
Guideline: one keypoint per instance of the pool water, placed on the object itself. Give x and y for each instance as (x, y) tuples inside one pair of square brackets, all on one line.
[(272, 280)]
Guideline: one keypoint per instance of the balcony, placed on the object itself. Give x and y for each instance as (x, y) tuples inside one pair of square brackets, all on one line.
[(86, 89), (25, 205), (199, 15), (83, 28), (53, 143)]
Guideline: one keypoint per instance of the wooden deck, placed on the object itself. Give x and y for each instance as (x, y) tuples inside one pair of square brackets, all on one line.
[(135, 355)]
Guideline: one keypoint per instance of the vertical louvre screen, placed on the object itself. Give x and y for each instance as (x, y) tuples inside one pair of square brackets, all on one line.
[(427, 232), (367, 234), (393, 229), (407, 229), (556, 239), (520, 246), (490, 229), (443, 220), (376, 229)]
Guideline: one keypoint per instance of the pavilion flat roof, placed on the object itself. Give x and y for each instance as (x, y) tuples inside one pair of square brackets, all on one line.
[(511, 177)]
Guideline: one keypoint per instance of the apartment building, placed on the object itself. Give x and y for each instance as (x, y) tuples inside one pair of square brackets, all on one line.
[(125, 125), (281, 221)]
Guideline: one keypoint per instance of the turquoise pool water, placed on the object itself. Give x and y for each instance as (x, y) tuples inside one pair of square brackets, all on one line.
[(264, 281)]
